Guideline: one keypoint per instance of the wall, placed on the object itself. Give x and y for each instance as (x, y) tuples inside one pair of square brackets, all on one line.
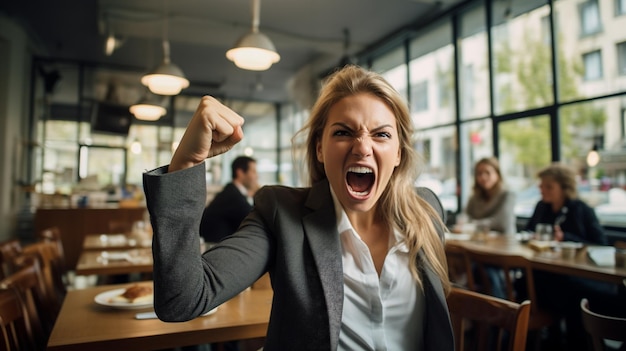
[(15, 62)]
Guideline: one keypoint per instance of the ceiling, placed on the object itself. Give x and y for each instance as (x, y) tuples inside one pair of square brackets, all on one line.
[(309, 35)]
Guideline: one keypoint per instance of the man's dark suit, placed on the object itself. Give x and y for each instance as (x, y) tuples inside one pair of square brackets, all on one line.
[(224, 214), (292, 234)]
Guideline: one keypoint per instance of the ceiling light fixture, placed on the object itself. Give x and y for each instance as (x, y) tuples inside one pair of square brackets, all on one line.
[(111, 44), (254, 51), (167, 78), (147, 111)]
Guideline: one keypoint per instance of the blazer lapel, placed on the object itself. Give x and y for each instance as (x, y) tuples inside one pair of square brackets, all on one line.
[(320, 228), (438, 330)]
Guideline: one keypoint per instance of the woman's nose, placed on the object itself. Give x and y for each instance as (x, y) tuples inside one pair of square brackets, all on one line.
[(362, 146)]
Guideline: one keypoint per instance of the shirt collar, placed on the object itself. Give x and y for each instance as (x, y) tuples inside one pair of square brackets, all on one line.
[(242, 189), (343, 224)]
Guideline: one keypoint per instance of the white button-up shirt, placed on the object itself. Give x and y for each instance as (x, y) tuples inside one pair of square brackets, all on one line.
[(378, 314)]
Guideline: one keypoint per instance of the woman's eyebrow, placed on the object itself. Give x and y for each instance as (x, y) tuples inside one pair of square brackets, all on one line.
[(343, 125)]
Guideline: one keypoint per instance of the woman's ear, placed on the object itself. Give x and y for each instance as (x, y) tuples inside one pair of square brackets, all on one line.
[(318, 151)]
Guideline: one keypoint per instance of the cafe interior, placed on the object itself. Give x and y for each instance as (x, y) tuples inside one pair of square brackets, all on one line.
[(85, 110)]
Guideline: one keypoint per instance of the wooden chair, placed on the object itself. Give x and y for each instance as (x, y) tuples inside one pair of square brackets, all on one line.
[(15, 327), (459, 267), (52, 266), (601, 327), (53, 235), (488, 315), (513, 267), (8, 251), (28, 282)]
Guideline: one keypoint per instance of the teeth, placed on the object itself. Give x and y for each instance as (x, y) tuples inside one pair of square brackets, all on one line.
[(362, 193), (360, 170)]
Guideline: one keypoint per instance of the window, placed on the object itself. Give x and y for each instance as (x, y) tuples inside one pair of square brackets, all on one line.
[(590, 18), (621, 59), (419, 96), (620, 7), (592, 62)]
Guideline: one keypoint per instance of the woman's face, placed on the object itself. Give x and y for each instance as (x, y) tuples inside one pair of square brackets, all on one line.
[(551, 191), (486, 176), (359, 148)]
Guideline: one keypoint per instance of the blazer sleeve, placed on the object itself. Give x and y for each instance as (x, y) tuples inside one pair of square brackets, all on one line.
[(187, 283)]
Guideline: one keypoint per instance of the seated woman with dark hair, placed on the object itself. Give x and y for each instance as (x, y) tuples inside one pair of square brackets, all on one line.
[(571, 220)]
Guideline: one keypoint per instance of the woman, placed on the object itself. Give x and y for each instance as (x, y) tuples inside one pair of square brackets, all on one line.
[(355, 260), (571, 218), (490, 200)]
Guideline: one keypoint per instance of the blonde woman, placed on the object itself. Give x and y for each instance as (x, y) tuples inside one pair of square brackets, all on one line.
[(356, 260), (491, 200)]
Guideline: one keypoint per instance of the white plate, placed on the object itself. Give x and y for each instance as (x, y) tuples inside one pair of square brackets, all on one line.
[(106, 299), (458, 236)]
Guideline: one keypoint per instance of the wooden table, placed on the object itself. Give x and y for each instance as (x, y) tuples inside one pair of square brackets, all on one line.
[(113, 242), (109, 262), (550, 261), (84, 325)]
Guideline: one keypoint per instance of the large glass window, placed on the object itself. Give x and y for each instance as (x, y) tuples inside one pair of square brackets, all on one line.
[(432, 77), (438, 149), (476, 142), (474, 67), (597, 126), (524, 149), (521, 80), (393, 68)]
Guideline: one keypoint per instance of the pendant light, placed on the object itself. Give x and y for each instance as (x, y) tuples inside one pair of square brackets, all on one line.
[(167, 78), (147, 111), (254, 51)]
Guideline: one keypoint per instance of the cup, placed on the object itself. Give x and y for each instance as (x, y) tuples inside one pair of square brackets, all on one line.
[(568, 250), (543, 232)]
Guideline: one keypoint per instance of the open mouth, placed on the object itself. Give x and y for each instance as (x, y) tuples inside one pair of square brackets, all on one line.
[(360, 180)]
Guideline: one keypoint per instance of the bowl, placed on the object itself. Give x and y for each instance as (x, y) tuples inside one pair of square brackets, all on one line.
[(569, 249)]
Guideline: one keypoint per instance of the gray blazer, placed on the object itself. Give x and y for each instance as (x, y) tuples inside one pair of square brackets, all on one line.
[(291, 233)]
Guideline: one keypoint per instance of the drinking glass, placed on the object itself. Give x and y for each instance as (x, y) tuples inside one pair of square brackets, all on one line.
[(543, 231)]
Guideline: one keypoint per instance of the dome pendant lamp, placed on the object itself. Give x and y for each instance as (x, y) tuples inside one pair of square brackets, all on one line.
[(254, 51), (167, 78)]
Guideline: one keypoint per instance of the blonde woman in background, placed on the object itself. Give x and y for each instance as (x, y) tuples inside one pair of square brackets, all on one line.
[(491, 201), (356, 260)]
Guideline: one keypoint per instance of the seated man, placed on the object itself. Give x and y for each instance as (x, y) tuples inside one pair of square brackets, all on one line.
[(230, 206)]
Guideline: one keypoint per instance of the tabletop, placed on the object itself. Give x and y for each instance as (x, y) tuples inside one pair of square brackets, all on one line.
[(547, 260), (83, 324), (109, 262), (119, 241)]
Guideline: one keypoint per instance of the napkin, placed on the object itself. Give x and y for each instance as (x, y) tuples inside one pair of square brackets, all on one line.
[(602, 255)]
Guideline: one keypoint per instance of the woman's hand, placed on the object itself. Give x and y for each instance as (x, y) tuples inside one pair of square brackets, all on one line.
[(213, 130), (558, 233)]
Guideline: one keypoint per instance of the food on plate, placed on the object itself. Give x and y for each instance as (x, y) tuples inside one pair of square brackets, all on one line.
[(137, 293)]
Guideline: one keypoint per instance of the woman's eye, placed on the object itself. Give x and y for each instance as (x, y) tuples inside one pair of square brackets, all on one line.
[(383, 135), (341, 133)]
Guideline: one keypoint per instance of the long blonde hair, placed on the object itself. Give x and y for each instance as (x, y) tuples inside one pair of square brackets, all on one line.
[(399, 202)]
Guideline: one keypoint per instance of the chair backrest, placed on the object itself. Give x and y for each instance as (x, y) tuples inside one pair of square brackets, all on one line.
[(53, 235), (15, 327), (8, 251), (601, 327), (459, 267), (52, 267), (30, 285), (511, 266), (480, 320)]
